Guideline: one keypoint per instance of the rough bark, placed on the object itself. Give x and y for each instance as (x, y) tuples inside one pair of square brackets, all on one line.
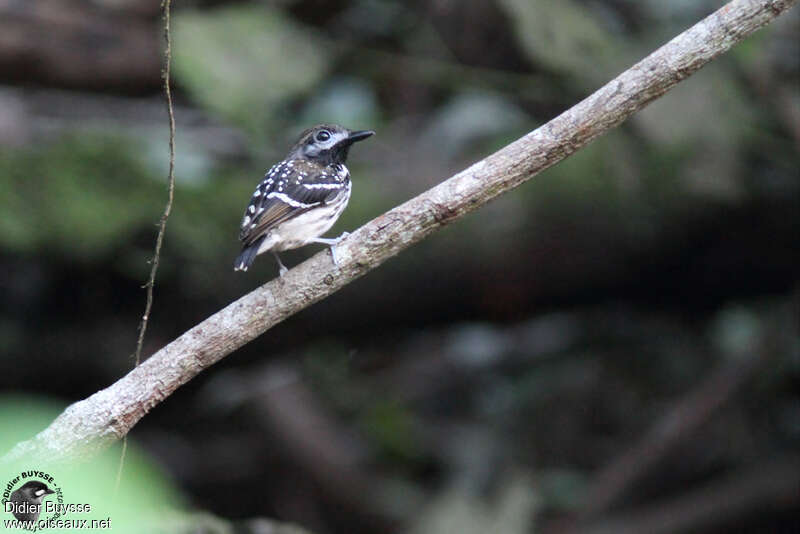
[(98, 421)]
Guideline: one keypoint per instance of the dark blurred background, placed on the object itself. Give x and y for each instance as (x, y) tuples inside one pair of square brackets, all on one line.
[(612, 346)]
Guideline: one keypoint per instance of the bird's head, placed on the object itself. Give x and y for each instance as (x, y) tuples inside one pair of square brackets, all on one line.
[(326, 144), (35, 491)]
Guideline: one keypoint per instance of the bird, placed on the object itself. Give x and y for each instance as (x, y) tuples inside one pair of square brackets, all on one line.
[(301, 197), (28, 500)]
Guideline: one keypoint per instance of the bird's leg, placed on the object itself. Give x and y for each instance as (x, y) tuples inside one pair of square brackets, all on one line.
[(281, 267), (332, 242)]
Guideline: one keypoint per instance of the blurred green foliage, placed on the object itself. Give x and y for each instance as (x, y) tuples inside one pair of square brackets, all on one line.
[(77, 197), (247, 61)]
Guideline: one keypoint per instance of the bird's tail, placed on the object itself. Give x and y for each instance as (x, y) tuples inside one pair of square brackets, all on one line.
[(247, 255)]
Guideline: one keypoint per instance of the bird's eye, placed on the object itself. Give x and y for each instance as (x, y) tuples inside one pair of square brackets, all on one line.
[(323, 136)]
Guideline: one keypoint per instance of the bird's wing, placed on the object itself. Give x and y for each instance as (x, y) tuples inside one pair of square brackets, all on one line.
[(288, 189)]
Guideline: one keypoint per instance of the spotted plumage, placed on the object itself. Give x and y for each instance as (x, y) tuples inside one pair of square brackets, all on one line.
[(301, 197)]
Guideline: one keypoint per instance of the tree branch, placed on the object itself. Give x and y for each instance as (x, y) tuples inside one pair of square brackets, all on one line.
[(89, 426)]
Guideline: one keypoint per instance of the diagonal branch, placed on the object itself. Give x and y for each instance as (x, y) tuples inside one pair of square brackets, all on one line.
[(89, 426)]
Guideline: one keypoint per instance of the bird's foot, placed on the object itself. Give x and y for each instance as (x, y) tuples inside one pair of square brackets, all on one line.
[(333, 248), (331, 242)]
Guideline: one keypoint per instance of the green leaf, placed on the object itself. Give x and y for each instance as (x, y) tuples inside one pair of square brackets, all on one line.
[(563, 36), (244, 61)]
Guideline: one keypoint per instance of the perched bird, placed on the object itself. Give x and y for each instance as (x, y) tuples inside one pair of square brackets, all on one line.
[(28, 500), (301, 197)]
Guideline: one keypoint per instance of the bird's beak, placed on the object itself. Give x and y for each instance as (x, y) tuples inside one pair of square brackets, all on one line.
[(48, 491), (360, 135)]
